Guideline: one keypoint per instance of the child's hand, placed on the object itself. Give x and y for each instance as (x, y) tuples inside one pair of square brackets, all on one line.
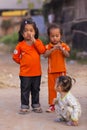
[(75, 123), (55, 47), (58, 46), (72, 123), (55, 101), (32, 39)]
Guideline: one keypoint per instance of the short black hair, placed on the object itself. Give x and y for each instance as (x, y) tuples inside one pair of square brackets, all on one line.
[(22, 26), (65, 82), (54, 26)]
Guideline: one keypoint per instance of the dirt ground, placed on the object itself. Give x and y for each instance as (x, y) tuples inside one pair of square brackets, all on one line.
[(10, 98)]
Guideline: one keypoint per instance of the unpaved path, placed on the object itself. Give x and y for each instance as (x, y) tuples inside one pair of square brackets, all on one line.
[(10, 98)]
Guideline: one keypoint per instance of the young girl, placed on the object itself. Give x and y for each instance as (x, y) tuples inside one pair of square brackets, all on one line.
[(27, 54), (56, 51), (67, 107)]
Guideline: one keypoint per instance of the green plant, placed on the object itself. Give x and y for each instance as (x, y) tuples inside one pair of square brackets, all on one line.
[(73, 54), (9, 39), (44, 39)]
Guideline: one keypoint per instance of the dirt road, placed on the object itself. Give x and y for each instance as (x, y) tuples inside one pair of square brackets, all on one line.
[(10, 98)]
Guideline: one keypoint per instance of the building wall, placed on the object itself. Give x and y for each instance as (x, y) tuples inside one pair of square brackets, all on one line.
[(13, 4), (15, 22), (72, 15)]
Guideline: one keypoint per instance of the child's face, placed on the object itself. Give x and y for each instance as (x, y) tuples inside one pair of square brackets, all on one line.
[(55, 35), (28, 32), (58, 87)]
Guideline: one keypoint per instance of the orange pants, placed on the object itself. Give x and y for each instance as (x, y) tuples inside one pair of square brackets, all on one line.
[(51, 85)]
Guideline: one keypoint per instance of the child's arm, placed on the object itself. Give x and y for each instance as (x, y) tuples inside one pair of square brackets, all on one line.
[(16, 54), (48, 52), (55, 101), (64, 51), (39, 46)]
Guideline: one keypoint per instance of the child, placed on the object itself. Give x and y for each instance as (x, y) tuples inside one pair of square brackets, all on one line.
[(27, 54), (56, 51), (67, 107)]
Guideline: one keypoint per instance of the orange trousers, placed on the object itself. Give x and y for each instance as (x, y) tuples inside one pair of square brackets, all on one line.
[(51, 85)]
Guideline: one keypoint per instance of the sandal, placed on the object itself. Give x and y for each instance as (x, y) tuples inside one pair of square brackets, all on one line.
[(70, 123), (37, 110), (24, 111), (59, 120)]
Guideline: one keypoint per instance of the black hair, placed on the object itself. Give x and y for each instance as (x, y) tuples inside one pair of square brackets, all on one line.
[(65, 82), (54, 26), (22, 26)]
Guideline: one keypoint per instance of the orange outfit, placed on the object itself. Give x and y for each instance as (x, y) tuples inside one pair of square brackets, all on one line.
[(28, 56), (56, 67)]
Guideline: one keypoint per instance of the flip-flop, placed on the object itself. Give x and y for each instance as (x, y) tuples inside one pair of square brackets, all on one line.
[(23, 112), (37, 110)]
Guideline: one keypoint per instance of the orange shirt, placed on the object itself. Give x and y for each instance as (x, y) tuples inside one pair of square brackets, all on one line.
[(56, 60), (28, 56)]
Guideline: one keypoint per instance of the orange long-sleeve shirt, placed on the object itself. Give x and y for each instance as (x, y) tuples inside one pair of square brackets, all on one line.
[(28, 56), (56, 60)]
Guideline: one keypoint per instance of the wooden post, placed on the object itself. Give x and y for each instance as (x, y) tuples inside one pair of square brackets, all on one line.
[(80, 9)]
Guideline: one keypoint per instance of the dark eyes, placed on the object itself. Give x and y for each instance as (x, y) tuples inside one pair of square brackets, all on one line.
[(55, 36), (28, 30)]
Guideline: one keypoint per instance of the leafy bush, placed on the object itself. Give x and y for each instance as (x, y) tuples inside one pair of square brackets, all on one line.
[(73, 54), (9, 39), (44, 39), (13, 39)]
